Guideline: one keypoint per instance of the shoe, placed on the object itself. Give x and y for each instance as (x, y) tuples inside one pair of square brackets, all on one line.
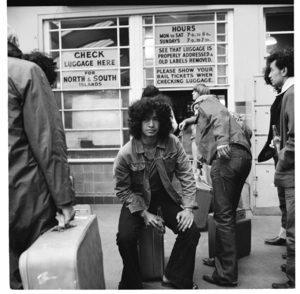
[(283, 268), (123, 286), (209, 261), (210, 279), (275, 241), (284, 256), (172, 286), (286, 285)]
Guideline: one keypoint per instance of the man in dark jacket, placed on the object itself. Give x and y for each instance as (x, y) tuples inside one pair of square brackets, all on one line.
[(269, 150), (282, 76), (39, 182), (224, 145)]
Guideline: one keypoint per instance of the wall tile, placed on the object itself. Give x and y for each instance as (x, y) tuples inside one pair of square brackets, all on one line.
[(107, 167), (78, 177), (88, 177), (89, 200), (97, 177), (78, 187), (98, 168), (88, 168), (88, 187), (78, 168), (98, 200)]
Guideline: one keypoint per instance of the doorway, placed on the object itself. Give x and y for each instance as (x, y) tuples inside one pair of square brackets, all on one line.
[(182, 102)]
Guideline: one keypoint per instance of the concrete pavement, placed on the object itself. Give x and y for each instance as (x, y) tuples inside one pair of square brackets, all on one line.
[(257, 271)]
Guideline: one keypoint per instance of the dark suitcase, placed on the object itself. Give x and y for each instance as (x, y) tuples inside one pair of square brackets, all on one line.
[(243, 236), (151, 254), (71, 259), (204, 199)]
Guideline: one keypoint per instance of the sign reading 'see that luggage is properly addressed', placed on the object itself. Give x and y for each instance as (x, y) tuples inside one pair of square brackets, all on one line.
[(187, 64)]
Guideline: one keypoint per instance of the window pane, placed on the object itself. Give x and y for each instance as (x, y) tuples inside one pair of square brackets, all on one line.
[(54, 25), (221, 38), (56, 59), (221, 16), (89, 38), (148, 62), (92, 119), (147, 20), (57, 96), (123, 21), (222, 80), (57, 83), (124, 37), (280, 21), (93, 139), (148, 32), (125, 118), (148, 53), (125, 98), (282, 41), (92, 154), (91, 99), (173, 18), (222, 59), (54, 44), (124, 57), (88, 22), (149, 73), (149, 82), (222, 70), (125, 77), (221, 28), (126, 136), (221, 50)]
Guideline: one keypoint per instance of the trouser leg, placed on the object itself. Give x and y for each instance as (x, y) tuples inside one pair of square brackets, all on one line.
[(228, 178), (282, 206), (127, 240), (181, 265), (290, 234)]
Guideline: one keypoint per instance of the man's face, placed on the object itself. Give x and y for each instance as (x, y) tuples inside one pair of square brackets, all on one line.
[(150, 126), (195, 95), (277, 76)]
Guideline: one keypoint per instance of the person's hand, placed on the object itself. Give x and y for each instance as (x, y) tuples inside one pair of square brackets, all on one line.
[(182, 125), (68, 213), (224, 151), (150, 219), (185, 219)]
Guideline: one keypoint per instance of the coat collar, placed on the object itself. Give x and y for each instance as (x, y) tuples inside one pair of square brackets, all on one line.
[(288, 83), (139, 148)]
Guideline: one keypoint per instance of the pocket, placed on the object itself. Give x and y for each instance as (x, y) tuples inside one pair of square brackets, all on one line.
[(169, 162), (137, 172)]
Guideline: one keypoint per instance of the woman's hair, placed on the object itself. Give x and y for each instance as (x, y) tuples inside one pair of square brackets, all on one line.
[(144, 108), (201, 89), (45, 63), (284, 58), (150, 91)]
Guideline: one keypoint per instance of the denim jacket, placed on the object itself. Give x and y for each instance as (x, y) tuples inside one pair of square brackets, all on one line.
[(131, 178), (215, 127)]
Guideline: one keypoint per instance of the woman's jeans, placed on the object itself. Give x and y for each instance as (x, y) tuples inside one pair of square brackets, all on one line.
[(181, 265), (228, 178)]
